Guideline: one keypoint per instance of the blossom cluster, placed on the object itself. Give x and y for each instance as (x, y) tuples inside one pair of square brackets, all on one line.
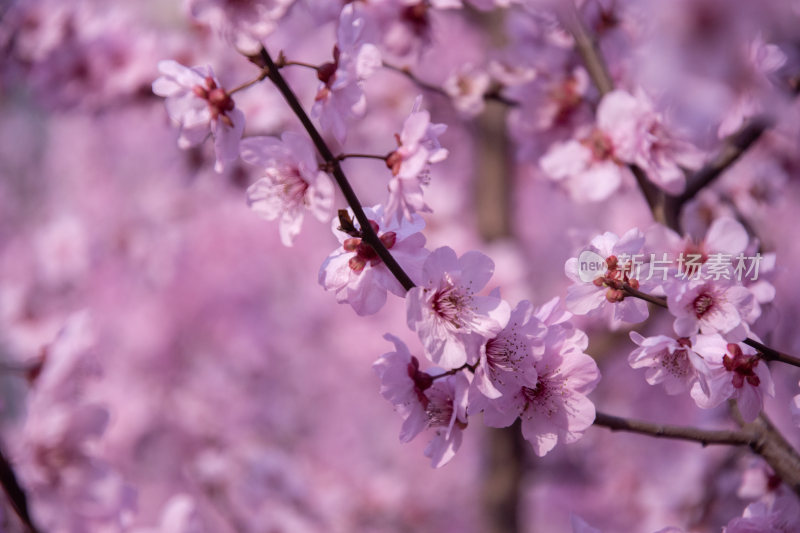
[(222, 350)]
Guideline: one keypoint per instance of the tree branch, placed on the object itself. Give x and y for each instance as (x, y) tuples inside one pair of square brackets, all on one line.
[(703, 436), (264, 60), (493, 95), (759, 435), (15, 494)]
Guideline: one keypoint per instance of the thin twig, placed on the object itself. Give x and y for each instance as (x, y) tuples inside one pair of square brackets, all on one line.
[(264, 60), (703, 436), (342, 157), (247, 84), (493, 95), (15, 494)]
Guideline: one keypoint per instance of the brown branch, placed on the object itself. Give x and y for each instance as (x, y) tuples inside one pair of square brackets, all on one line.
[(15, 494), (773, 447), (703, 436), (759, 436), (264, 61), (735, 145), (492, 95)]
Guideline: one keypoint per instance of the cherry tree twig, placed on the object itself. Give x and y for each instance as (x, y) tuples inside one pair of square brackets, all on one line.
[(264, 60), (703, 436), (493, 95), (15, 494)]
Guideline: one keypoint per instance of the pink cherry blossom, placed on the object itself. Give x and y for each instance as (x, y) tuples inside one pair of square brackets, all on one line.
[(639, 136), (404, 385), (424, 401), (732, 371), (466, 86), (418, 148), (587, 168), (709, 306), (509, 354), (356, 273), (199, 104), (668, 361), (446, 311), (293, 182), (340, 96), (618, 253), (245, 22), (552, 406)]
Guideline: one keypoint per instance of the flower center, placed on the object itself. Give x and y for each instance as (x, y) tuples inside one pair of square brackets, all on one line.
[(449, 304), (219, 102), (702, 304), (741, 365)]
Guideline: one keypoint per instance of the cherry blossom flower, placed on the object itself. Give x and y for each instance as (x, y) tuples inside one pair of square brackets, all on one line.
[(618, 255), (639, 136), (356, 273), (245, 22), (467, 86), (424, 401), (404, 385), (418, 147), (588, 168), (509, 354), (446, 311), (732, 371), (668, 361), (293, 182), (198, 103), (724, 240), (709, 306), (340, 96), (553, 406)]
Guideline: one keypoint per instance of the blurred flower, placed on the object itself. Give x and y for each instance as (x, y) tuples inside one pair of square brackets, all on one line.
[(293, 182), (197, 102)]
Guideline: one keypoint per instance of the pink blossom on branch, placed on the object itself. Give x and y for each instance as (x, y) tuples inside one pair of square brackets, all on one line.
[(732, 371), (244, 22), (669, 361), (356, 273), (601, 285), (293, 182), (508, 356), (709, 306), (340, 96), (418, 147), (200, 106), (640, 137), (424, 402), (446, 311), (551, 402)]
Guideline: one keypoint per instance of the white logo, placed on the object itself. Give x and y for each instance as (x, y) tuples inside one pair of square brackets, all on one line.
[(591, 266)]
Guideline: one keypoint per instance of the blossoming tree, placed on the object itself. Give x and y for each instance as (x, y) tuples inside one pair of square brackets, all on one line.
[(531, 202)]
